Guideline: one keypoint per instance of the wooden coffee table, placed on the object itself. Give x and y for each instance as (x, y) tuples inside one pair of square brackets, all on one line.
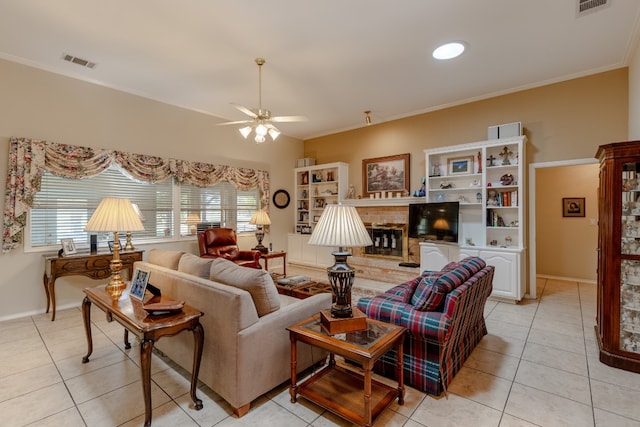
[(353, 396), (304, 290), (130, 314)]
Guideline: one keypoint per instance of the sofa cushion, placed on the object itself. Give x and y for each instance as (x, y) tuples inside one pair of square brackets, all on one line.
[(164, 258), (472, 264), (257, 282), (434, 287), (195, 266)]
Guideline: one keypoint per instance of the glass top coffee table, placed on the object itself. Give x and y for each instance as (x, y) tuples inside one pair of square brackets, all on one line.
[(351, 395)]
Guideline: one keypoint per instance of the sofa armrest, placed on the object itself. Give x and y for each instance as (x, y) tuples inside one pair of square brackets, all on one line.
[(427, 325)]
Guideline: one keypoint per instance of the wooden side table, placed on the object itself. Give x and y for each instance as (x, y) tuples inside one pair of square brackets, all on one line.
[(271, 255), (95, 266), (130, 314), (336, 388)]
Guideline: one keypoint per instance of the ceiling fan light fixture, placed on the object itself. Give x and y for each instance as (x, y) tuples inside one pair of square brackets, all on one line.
[(261, 130), (367, 117), (259, 138), (245, 131), (274, 133)]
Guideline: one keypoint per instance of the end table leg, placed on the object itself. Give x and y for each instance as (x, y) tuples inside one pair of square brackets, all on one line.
[(198, 340), (145, 366), (86, 317), (52, 293), (293, 390), (367, 394), (400, 372), (127, 344)]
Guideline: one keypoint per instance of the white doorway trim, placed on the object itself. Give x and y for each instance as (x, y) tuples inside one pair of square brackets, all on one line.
[(532, 212)]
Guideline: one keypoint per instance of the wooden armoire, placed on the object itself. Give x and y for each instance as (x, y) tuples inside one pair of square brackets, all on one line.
[(618, 315)]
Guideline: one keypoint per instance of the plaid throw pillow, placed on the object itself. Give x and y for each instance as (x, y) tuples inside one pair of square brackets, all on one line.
[(434, 287)]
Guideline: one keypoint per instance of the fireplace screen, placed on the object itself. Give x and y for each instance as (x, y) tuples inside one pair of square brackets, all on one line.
[(389, 241)]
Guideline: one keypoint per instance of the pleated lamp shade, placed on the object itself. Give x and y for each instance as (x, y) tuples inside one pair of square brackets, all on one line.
[(260, 217), (114, 214), (341, 226)]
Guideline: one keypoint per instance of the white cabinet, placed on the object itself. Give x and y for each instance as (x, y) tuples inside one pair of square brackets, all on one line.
[(316, 187), (508, 277), (508, 282), (299, 251), (433, 256)]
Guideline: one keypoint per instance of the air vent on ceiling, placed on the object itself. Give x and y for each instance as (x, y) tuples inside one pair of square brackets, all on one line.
[(79, 61), (585, 6)]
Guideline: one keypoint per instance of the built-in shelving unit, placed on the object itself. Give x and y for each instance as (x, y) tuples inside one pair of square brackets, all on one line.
[(487, 178), (316, 187)]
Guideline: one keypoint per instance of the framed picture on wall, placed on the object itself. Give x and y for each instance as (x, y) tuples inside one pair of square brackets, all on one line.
[(573, 207), (389, 173)]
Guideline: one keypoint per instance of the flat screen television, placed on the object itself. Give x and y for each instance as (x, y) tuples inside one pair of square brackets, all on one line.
[(434, 221)]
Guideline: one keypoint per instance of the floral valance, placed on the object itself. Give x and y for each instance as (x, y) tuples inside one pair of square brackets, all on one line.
[(28, 159)]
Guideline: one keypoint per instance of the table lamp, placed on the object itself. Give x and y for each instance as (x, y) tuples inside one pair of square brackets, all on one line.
[(260, 218), (112, 215), (340, 226), (129, 245)]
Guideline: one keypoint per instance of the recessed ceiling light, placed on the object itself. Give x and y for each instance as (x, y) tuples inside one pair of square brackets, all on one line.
[(448, 50)]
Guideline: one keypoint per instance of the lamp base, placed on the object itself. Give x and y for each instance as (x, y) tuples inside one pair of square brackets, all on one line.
[(261, 248), (334, 325), (341, 279)]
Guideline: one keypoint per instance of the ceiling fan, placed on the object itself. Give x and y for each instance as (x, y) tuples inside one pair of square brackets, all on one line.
[(261, 119)]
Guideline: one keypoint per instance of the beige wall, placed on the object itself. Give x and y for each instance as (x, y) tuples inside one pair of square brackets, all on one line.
[(562, 121), (634, 94), (566, 246), (41, 105)]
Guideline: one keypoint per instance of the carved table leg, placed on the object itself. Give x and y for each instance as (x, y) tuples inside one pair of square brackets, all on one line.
[(86, 316), (45, 280), (198, 341), (293, 389), (52, 293), (145, 365)]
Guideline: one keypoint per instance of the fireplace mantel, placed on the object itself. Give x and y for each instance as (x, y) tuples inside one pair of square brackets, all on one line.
[(389, 201)]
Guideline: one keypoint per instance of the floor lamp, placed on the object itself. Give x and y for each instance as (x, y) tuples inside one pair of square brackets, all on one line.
[(112, 215), (340, 226)]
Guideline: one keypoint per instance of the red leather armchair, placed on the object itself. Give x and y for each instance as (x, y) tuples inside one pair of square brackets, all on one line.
[(222, 242)]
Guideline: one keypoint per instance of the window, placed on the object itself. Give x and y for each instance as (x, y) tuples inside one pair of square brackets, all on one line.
[(222, 203), (63, 206)]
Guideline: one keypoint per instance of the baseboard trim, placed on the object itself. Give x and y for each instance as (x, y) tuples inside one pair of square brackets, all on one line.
[(566, 279)]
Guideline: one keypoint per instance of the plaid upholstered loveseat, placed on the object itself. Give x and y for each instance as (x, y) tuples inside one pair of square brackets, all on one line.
[(443, 312)]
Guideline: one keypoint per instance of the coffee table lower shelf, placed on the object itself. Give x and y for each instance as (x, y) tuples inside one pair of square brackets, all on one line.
[(340, 391)]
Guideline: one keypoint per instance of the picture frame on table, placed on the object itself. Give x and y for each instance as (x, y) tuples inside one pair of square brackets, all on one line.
[(573, 207), (110, 243), (389, 173), (139, 282), (68, 247), (461, 165)]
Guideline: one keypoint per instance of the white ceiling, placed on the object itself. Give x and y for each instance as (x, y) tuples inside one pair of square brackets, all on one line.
[(328, 60)]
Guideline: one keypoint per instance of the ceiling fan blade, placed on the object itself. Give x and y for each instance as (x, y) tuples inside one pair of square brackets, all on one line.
[(245, 110), (289, 119), (238, 122)]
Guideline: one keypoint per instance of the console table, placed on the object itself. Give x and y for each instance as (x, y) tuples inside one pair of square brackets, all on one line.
[(95, 266), (129, 312)]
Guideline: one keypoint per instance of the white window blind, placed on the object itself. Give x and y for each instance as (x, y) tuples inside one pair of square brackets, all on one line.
[(221, 204), (63, 206)]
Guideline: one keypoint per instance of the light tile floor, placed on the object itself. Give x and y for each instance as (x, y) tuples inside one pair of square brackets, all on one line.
[(537, 367)]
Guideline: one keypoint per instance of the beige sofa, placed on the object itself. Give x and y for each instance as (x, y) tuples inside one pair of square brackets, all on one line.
[(246, 345)]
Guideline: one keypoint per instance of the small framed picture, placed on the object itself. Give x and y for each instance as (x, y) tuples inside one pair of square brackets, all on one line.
[(110, 242), (461, 166), (68, 247), (573, 207), (139, 283)]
